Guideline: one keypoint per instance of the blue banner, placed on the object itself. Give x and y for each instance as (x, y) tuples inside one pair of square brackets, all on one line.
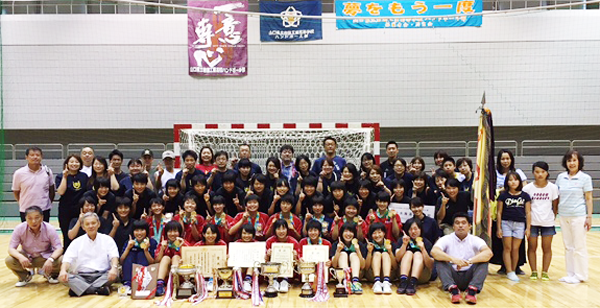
[(290, 26), (408, 14)]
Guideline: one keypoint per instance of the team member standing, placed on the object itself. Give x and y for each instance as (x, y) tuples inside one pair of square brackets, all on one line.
[(34, 184)]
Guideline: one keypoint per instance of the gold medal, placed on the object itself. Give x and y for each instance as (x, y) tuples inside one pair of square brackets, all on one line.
[(387, 242), (355, 242)]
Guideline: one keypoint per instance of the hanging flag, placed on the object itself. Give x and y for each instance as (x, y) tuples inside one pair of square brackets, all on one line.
[(290, 25), (484, 184), (217, 40)]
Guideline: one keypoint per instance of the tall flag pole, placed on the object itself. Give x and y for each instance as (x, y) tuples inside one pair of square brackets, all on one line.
[(484, 184)]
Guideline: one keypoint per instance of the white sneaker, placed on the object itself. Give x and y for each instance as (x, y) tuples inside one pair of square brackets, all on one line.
[(387, 287), (247, 286), (284, 286), (128, 290), (210, 285), (378, 287), (513, 276), (276, 285), (52, 280), (22, 283), (572, 280)]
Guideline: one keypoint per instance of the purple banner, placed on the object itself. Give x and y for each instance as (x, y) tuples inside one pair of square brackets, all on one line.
[(218, 42)]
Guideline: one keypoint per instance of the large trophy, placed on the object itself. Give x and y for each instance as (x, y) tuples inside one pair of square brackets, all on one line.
[(306, 269), (185, 289), (225, 290), (340, 275), (270, 270)]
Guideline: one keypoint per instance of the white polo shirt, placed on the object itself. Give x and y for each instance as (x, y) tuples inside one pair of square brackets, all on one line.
[(463, 249), (86, 255)]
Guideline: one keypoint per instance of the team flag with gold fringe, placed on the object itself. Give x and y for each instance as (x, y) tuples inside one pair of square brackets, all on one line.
[(484, 184)]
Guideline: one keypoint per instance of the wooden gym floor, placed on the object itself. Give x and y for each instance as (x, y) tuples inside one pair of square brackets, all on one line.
[(498, 291)]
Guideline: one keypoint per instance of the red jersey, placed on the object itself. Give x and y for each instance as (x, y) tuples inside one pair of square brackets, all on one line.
[(305, 241), (206, 169), (259, 221), (387, 221), (187, 227), (296, 222), (156, 229), (171, 249), (290, 240), (364, 227), (220, 223)]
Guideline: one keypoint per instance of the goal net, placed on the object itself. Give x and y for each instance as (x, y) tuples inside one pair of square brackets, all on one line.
[(265, 140)]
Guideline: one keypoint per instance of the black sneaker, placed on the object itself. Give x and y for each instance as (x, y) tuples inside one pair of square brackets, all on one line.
[(160, 288), (502, 270), (103, 291), (72, 294), (519, 271), (411, 289), (402, 287)]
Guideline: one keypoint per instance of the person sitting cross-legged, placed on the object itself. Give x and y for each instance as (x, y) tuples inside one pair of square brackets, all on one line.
[(95, 258)]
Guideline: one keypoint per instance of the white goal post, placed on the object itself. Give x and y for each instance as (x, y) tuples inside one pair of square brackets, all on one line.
[(353, 139)]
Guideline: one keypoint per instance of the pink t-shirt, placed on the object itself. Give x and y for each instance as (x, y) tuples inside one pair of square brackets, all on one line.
[(34, 187)]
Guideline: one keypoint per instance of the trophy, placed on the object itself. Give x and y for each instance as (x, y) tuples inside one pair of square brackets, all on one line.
[(226, 289), (270, 270), (306, 269), (340, 275), (185, 289)]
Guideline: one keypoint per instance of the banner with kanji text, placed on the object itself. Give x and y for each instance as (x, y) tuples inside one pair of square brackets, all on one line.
[(290, 24), (218, 41), (408, 14)]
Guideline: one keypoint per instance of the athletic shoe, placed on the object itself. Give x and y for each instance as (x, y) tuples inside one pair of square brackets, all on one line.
[(103, 291), (248, 286), (72, 294), (454, 294), (572, 280), (501, 271), (160, 288), (519, 271), (402, 287), (210, 285), (357, 288), (387, 287), (471, 297), (512, 276), (377, 287), (24, 282), (52, 280), (534, 276), (284, 286), (276, 285), (545, 276), (411, 288)]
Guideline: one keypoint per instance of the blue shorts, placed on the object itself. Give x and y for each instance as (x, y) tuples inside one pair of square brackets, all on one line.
[(542, 231), (514, 229)]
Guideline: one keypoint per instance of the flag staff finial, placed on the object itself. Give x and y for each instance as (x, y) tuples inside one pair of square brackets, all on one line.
[(482, 107)]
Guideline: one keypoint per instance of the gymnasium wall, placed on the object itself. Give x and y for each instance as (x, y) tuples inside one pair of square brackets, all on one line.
[(72, 72)]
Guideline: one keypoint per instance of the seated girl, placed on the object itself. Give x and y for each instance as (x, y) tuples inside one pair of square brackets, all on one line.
[(421, 189), (282, 188), (306, 195), (348, 252), (247, 236), (314, 230), (293, 221), (211, 236), (316, 213), (103, 196), (334, 202), (350, 178), (191, 222), (200, 191), (380, 259), (350, 216), (259, 187), (281, 228), (139, 250), (399, 188), (251, 216), (413, 252), (168, 253), (366, 199), (376, 178)]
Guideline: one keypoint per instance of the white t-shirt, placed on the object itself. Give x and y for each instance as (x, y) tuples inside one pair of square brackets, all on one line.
[(501, 177), (463, 249), (542, 214), (87, 170), (166, 176), (87, 256)]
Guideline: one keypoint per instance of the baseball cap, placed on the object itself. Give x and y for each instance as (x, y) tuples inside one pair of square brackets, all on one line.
[(147, 152), (169, 154)]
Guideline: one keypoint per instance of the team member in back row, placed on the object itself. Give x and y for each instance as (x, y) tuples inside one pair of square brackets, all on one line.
[(330, 147), (34, 184), (246, 153), (165, 173), (140, 195)]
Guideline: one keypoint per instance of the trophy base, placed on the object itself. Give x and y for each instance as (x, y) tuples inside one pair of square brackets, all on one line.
[(307, 295), (340, 292), (307, 291), (184, 293), (225, 293), (270, 294)]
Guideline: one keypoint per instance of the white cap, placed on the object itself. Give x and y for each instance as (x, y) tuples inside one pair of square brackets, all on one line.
[(169, 154)]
